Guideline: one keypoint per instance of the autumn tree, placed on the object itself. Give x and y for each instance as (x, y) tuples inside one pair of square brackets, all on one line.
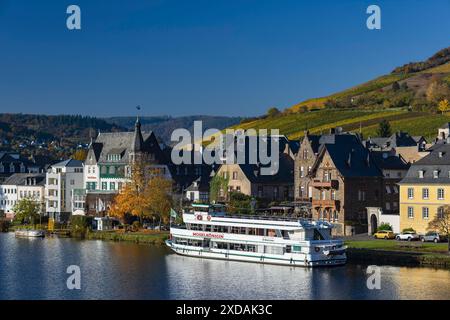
[(437, 91), (441, 223), (443, 106), (145, 195), (27, 210), (80, 155)]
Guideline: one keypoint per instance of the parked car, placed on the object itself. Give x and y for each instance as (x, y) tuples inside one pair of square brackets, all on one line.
[(408, 236), (433, 236), (384, 234)]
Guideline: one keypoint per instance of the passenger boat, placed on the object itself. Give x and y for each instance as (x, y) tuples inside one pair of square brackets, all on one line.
[(208, 232), (30, 233)]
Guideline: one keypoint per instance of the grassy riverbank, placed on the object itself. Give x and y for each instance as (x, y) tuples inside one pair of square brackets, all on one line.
[(146, 237), (391, 252)]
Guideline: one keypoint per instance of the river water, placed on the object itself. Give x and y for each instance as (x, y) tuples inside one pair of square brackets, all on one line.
[(37, 269)]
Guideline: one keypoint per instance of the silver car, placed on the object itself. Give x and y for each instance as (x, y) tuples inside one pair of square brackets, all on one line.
[(432, 236)]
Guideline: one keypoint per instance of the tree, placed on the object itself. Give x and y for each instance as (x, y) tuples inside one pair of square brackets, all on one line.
[(384, 129), (441, 223), (273, 112), (80, 154), (443, 106), (240, 203), (395, 86), (218, 188), (27, 210), (438, 90), (145, 195)]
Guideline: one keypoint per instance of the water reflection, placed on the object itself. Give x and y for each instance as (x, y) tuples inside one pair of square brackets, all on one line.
[(36, 269)]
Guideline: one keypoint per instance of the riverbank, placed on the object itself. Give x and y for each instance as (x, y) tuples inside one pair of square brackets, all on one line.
[(145, 237), (391, 252)]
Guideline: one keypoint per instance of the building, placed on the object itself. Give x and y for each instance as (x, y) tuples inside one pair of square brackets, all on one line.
[(411, 148), (62, 179), (394, 169), (425, 189), (198, 191), (247, 179), (345, 180), (19, 186), (305, 159), (109, 162)]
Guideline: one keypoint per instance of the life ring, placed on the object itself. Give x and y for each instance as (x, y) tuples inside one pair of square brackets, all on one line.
[(208, 217), (199, 217)]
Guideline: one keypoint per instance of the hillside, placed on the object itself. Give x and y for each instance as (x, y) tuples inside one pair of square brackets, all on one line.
[(408, 98)]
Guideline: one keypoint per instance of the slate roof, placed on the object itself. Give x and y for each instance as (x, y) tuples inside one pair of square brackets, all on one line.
[(398, 139), (69, 163), (350, 157), (438, 159), (387, 161), (20, 179), (200, 184), (285, 172)]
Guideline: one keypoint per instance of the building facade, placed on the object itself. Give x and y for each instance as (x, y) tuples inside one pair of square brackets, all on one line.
[(62, 179), (425, 190)]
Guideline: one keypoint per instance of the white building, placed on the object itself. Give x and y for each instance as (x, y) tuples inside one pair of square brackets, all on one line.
[(62, 181), (20, 186)]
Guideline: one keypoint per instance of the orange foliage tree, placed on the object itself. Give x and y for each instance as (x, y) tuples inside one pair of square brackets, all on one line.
[(144, 196)]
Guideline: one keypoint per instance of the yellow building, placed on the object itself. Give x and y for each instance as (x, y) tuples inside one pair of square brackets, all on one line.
[(425, 190)]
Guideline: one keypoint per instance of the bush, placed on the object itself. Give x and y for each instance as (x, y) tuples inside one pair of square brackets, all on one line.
[(135, 226), (80, 225), (408, 230), (384, 226), (4, 225)]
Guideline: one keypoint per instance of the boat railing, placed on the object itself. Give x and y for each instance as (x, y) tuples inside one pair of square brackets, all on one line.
[(258, 217)]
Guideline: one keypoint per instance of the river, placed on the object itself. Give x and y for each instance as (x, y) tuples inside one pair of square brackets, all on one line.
[(37, 269)]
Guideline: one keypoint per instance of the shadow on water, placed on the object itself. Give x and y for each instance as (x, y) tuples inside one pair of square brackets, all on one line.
[(36, 269)]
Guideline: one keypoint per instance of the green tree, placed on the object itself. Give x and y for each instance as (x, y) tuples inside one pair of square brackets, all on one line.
[(218, 188), (27, 210), (384, 129), (240, 203), (395, 86), (273, 112)]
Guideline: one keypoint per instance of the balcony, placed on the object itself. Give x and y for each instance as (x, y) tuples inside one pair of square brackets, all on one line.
[(324, 184), (326, 203)]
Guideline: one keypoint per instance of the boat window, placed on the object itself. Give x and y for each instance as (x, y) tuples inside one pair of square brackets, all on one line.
[(296, 248), (288, 249), (208, 227)]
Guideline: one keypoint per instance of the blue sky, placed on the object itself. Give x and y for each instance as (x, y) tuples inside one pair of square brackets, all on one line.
[(216, 57)]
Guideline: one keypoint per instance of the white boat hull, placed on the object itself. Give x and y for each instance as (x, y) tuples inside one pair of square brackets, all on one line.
[(295, 260), (30, 233)]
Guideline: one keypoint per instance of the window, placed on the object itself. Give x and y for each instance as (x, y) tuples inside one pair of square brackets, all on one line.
[(238, 188), (112, 186), (104, 186), (421, 173), (235, 175), (440, 213), (410, 212), (388, 206), (302, 172), (333, 194), (425, 213), (440, 194), (435, 174), (323, 195), (425, 193), (395, 189), (388, 189), (410, 193), (72, 182)]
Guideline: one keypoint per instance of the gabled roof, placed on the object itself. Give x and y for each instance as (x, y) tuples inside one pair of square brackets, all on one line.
[(386, 161), (69, 163), (285, 172), (437, 160), (349, 156), (20, 179)]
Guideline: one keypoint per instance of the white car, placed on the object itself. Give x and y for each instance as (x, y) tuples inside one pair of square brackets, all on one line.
[(408, 236)]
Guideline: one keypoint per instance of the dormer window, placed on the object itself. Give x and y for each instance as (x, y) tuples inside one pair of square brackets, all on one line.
[(435, 174), (421, 173)]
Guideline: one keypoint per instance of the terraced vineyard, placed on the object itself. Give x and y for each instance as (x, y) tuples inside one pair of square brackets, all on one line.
[(294, 125)]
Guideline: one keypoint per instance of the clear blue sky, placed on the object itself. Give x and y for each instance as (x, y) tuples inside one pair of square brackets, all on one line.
[(217, 57)]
